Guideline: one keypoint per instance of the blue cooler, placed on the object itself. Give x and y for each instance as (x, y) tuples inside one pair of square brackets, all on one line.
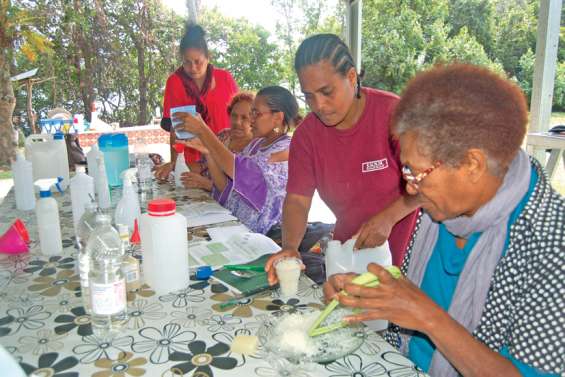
[(116, 156)]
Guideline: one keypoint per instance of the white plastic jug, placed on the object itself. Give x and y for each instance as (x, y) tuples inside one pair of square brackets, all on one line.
[(23, 183), (82, 193), (48, 154), (342, 258), (165, 247)]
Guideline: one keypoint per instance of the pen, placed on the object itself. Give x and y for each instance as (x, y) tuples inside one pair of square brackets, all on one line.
[(244, 267)]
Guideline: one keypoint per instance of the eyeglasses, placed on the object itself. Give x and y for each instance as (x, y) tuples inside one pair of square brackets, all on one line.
[(258, 114), (414, 180)]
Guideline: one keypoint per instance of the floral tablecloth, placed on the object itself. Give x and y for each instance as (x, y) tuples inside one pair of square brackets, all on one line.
[(44, 325)]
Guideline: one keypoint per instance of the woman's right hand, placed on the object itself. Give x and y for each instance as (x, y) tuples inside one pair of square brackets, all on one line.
[(197, 144), (162, 172), (270, 265)]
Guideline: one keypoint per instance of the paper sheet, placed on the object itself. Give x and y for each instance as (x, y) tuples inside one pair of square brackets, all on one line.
[(238, 249)]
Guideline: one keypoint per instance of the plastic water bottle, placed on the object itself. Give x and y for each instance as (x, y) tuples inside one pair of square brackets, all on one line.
[(127, 210), (91, 159), (48, 225), (144, 176), (165, 247), (180, 165), (106, 282), (23, 183), (102, 188), (82, 192)]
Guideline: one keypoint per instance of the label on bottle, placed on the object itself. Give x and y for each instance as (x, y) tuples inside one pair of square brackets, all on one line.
[(131, 271), (109, 298)]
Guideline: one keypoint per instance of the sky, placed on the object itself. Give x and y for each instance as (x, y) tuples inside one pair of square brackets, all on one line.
[(258, 12)]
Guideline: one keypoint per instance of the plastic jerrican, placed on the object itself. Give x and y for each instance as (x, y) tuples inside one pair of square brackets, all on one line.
[(180, 165), (23, 183), (48, 154), (128, 208), (342, 258), (48, 225), (91, 160), (102, 188), (165, 247), (82, 193)]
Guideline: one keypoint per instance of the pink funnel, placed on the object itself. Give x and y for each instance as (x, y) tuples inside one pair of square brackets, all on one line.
[(15, 240)]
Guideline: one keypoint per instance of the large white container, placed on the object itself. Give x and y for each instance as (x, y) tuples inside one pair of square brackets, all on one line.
[(342, 258), (165, 247), (82, 193), (48, 225), (48, 154), (91, 159), (23, 183)]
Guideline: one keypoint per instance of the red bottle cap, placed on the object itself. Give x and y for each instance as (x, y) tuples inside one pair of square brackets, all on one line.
[(161, 207), (179, 147)]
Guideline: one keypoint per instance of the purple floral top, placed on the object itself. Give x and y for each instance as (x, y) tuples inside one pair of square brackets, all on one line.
[(256, 193)]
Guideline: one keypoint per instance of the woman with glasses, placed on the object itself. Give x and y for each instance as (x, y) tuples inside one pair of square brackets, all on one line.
[(345, 151), (197, 82), (484, 288), (251, 183), (234, 138)]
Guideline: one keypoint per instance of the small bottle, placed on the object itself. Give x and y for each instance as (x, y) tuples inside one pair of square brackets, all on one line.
[(144, 176), (127, 210), (102, 188), (180, 165), (48, 225), (107, 293), (23, 183), (86, 224), (82, 190), (130, 267), (91, 160)]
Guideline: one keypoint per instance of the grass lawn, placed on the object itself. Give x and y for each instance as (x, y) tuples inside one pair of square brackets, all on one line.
[(557, 118), (5, 174)]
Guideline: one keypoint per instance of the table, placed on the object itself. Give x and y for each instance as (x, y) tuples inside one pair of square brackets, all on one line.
[(554, 142), (44, 326)]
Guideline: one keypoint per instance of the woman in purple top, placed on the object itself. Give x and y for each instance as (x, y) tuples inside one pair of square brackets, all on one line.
[(252, 184)]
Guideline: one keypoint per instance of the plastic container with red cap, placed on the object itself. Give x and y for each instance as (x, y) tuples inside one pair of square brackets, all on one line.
[(165, 247), (180, 164)]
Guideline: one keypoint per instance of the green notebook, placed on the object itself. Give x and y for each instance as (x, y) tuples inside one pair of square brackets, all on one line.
[(245, 283)]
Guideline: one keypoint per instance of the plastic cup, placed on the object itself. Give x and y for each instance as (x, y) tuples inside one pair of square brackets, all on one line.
[(288, 272)]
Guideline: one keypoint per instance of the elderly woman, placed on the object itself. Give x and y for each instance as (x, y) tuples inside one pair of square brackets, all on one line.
[(234, 138), (251, 183), (483, 292)]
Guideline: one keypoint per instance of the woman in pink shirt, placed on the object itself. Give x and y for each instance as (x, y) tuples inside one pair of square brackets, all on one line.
[(344, 149)]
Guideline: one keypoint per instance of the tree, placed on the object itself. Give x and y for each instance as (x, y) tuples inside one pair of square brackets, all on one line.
[(16, 28)]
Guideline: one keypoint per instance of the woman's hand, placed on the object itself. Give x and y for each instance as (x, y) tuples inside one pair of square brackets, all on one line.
[(194, 180), (335, 284), (374, 232), (270, 265), (197, 144), (396, 300), (162, 172), (190, 123)]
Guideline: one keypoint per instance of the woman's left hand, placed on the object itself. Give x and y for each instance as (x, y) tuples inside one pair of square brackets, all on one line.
[(374, 232), (190, 123), (396, 300)]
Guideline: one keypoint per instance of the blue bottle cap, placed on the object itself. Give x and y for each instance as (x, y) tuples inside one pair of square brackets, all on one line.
[(204, 272)]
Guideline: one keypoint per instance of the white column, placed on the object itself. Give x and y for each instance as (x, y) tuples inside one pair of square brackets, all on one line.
[(354, 19)]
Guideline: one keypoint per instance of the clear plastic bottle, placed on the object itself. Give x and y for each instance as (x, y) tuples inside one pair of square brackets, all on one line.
[(104, 239), (107, 292), (144, 176)]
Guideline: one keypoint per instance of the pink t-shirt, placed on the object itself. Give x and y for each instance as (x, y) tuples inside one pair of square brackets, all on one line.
[(356, 171)]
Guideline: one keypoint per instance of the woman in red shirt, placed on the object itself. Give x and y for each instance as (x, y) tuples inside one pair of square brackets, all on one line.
[(198, 83)]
